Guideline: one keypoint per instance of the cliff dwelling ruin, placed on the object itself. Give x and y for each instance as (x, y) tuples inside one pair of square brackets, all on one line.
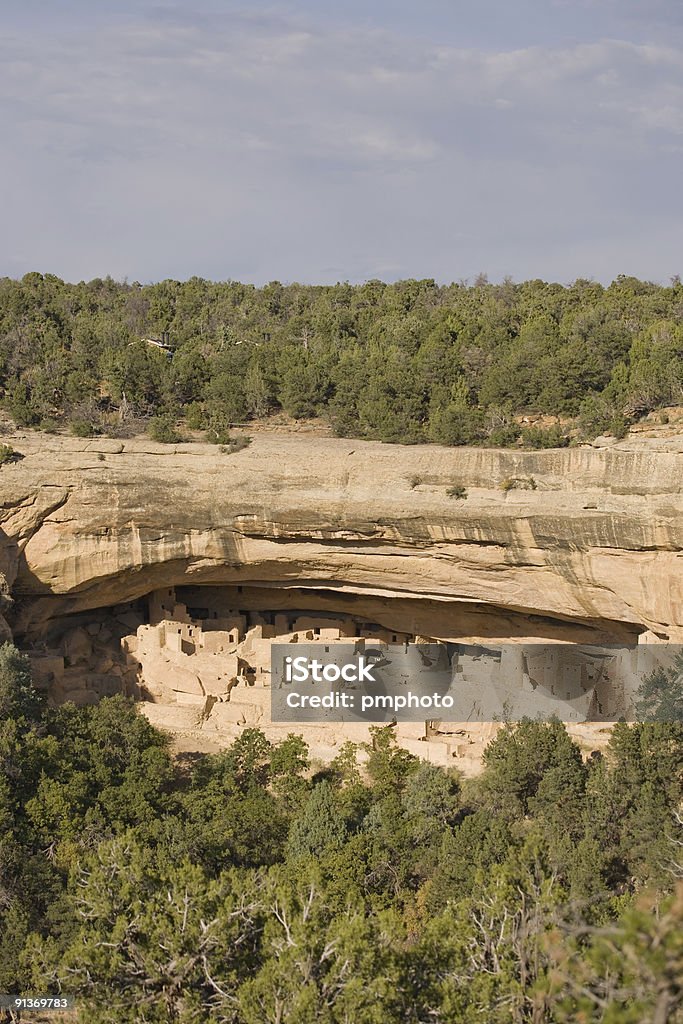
[(198, 660), (166, 572)]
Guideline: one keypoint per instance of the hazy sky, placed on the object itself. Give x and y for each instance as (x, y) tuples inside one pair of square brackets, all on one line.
[(320, 141)]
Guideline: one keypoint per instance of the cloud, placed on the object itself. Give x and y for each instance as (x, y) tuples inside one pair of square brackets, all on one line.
[(262, 145)]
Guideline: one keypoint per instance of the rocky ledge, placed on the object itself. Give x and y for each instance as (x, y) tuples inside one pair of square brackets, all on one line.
[(583, 543)]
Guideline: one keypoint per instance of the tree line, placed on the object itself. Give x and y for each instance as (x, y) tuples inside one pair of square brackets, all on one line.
[(256, 887), (407, 362)]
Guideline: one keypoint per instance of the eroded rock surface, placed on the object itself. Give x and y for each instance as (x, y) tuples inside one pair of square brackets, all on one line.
[(586, 544)]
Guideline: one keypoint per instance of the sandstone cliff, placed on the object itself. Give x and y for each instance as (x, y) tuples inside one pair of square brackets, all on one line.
[(593, 552)]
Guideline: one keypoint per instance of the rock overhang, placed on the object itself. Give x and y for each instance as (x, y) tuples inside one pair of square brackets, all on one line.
[(593, 547)]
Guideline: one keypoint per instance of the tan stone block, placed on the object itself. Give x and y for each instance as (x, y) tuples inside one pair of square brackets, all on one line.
[(195, 699)]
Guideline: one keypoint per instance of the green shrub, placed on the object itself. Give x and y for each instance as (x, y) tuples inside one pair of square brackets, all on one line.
[(504, 437), (7, 454), (217, 419), (221, 437), (454, 425), (544, 437), (457, 491), (601, 416), (83, 428), (194, 415), (162, 429), (48, 426), (20, 404)]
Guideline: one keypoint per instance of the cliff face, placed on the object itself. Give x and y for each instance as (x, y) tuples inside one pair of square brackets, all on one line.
[(586, 544)]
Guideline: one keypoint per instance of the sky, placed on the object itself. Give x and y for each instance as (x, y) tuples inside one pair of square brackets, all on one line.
[(319, 141)]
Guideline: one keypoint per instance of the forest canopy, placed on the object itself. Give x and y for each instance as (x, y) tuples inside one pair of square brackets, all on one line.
[(406, 362), (255, 887)]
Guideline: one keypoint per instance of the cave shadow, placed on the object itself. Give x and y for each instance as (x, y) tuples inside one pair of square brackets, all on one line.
[(9, 562)]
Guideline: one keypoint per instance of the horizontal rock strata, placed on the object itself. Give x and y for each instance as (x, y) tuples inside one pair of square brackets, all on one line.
[(580, 543)]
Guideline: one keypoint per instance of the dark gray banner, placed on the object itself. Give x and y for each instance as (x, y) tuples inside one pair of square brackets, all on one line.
[(376, 682)]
